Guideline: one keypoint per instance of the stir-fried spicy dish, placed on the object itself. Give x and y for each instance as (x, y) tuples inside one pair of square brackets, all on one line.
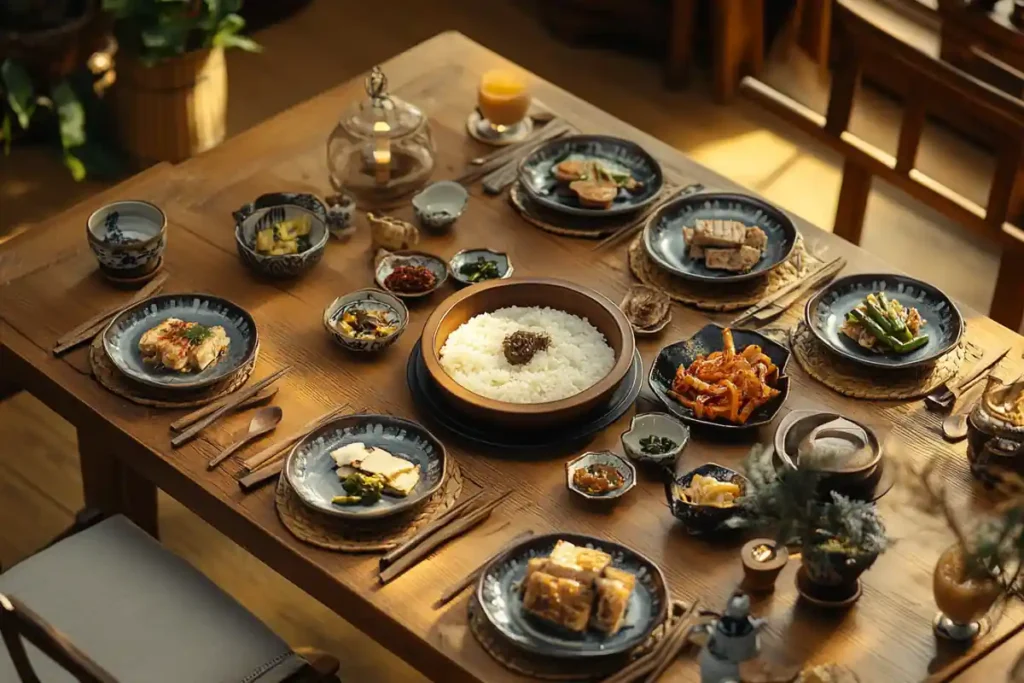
[(479, 270), (885, 325), (725, 384), (725, 245), (595, 184), (656, 445), (367, 323), (705, 490), (183, 346), (598, 479), (285, 237), (577, 588), (367, 473), (407, 279)]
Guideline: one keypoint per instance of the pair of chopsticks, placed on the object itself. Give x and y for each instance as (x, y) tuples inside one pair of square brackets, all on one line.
[(261, 396), (945, 396), (655, 663), (94, 325), (640, 220), (462, 518), (269, 462), (786, 296), (496, 181), (452, 591), (506, 155), (234, 401)]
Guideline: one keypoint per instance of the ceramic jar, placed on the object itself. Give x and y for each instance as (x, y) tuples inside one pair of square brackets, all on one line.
[(128, 238), (994, 441)]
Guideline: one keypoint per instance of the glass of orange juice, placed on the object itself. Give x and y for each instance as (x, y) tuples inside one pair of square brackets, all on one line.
[(504, 101)]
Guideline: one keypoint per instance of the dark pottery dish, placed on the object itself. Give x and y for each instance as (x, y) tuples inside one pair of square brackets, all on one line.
[(272, 208), (709, 339), (666, 245), (827, 597), (798, 424), (621, 465), (703, 519), (536, 177), (498, 591), (544, 442), (826, 311), (833, 568), (121, 338), (310, 469), (876, 484)]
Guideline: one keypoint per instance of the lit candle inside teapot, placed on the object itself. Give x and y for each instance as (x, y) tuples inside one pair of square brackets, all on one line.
[(382, 152)]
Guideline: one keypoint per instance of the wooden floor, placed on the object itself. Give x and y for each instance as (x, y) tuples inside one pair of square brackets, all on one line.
[(329, 43)]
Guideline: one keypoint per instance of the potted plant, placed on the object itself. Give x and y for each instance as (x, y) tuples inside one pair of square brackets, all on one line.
[(839, 538), (170, 98)]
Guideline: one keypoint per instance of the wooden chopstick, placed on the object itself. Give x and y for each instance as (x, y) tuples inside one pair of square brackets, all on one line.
[(641, 220), (496, 181), (268, 453), (819, 280), (254, 480), (455, 511), (473, 173), (649, 662), (421, 551), (94, 325), (449, 594), (241, 396), (265, 394), (827, 270)]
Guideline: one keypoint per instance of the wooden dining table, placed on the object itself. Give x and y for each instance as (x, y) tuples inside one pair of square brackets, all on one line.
[(50, 283)]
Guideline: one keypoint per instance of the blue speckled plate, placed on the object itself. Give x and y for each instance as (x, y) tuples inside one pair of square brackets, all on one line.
[(311, 471), (498, 592), (826, 310), (704, 342), (536, 177), (121, 338), (666, 245), (703, 519)]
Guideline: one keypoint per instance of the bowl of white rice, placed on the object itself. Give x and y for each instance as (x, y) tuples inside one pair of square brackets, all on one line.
[(527, 352)]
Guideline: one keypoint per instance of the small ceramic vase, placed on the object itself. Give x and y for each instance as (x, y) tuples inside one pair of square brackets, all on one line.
[(762, 560), (341, 209)]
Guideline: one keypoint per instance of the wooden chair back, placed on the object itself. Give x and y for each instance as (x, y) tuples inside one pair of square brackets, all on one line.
[(19, 623), (984, 41), (930, 86)]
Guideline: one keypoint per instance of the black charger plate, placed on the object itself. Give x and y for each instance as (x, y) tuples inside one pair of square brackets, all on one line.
[(429, 400)]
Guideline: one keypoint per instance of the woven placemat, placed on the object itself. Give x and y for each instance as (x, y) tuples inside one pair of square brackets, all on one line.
[(857, 381), (550, 669), (719, 297), (107, 374), (568, 225), (331, 533)]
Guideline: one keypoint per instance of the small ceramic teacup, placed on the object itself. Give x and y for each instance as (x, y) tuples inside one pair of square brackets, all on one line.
[(127, 238), (438, 206)]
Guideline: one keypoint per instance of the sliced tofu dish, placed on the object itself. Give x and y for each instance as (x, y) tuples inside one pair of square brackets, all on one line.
[(183, 346), (398, 475), (725, 244)]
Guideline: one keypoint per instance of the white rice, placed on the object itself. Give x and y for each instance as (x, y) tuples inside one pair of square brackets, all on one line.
[(576, 359)]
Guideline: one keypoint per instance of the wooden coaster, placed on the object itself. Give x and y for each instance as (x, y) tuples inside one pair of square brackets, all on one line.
[(376, 536), (568, 225), (857, 381), (107, 374), (551, 669), (719, 297)]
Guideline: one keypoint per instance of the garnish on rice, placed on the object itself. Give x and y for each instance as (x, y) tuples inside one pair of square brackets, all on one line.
[(885, 325)]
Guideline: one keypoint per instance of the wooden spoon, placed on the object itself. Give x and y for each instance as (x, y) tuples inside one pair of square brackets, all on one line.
[(264, 421)]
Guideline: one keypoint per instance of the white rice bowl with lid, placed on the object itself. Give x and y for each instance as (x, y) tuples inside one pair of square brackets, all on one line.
[(577, 357)]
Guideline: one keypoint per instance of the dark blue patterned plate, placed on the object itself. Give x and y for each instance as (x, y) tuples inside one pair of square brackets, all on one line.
[(498, 591), (312, 474), (616, 154), (269, 209), (703, 519), (826, 310), (704, 342), (666, 244), (121, 338)]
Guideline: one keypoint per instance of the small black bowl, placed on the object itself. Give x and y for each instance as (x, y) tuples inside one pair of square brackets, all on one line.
[(709, 339), (703, 519)]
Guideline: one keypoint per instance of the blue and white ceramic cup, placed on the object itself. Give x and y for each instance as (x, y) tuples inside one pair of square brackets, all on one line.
[(127, 237)]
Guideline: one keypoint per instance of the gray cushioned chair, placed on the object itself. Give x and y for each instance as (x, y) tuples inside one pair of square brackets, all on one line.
[(141, 614)]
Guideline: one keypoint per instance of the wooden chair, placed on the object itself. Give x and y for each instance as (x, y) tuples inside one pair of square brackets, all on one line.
[(931, 84), (984, 43), (109, 604)]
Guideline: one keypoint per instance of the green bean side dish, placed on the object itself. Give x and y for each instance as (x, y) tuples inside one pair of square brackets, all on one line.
[(885, 325)]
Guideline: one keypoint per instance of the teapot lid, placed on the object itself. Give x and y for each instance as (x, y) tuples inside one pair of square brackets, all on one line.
[(381, 114)]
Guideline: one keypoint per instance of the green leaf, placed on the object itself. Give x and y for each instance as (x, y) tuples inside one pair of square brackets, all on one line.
[(20, 91), (74, 165), (71, 114), (241, 42), (5, 131)]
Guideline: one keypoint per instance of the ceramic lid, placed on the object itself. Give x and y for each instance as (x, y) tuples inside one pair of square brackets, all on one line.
[(400, 117)]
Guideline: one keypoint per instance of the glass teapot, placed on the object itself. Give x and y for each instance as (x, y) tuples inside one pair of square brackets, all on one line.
[(382, 148)]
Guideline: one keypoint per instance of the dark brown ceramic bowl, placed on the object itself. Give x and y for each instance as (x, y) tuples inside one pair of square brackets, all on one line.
[(558, 294)]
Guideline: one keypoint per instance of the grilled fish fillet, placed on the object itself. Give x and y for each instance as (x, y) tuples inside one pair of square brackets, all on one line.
[(735, 260), (718, 233)]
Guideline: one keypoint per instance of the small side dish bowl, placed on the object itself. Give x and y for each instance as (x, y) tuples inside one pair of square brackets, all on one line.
[(266, 211), (798, 424), (703, 519), (621, 465), (366, 299), (500, 259), (128, 238), (643, 426), (438, 205), (648, 310), (387, 265)]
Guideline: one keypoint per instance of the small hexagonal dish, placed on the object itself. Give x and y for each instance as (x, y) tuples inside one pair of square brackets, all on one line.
[(387, 264), (438, 205), (468, 258), (700, 519), (390, 308), (600, 458), (646, 433)]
